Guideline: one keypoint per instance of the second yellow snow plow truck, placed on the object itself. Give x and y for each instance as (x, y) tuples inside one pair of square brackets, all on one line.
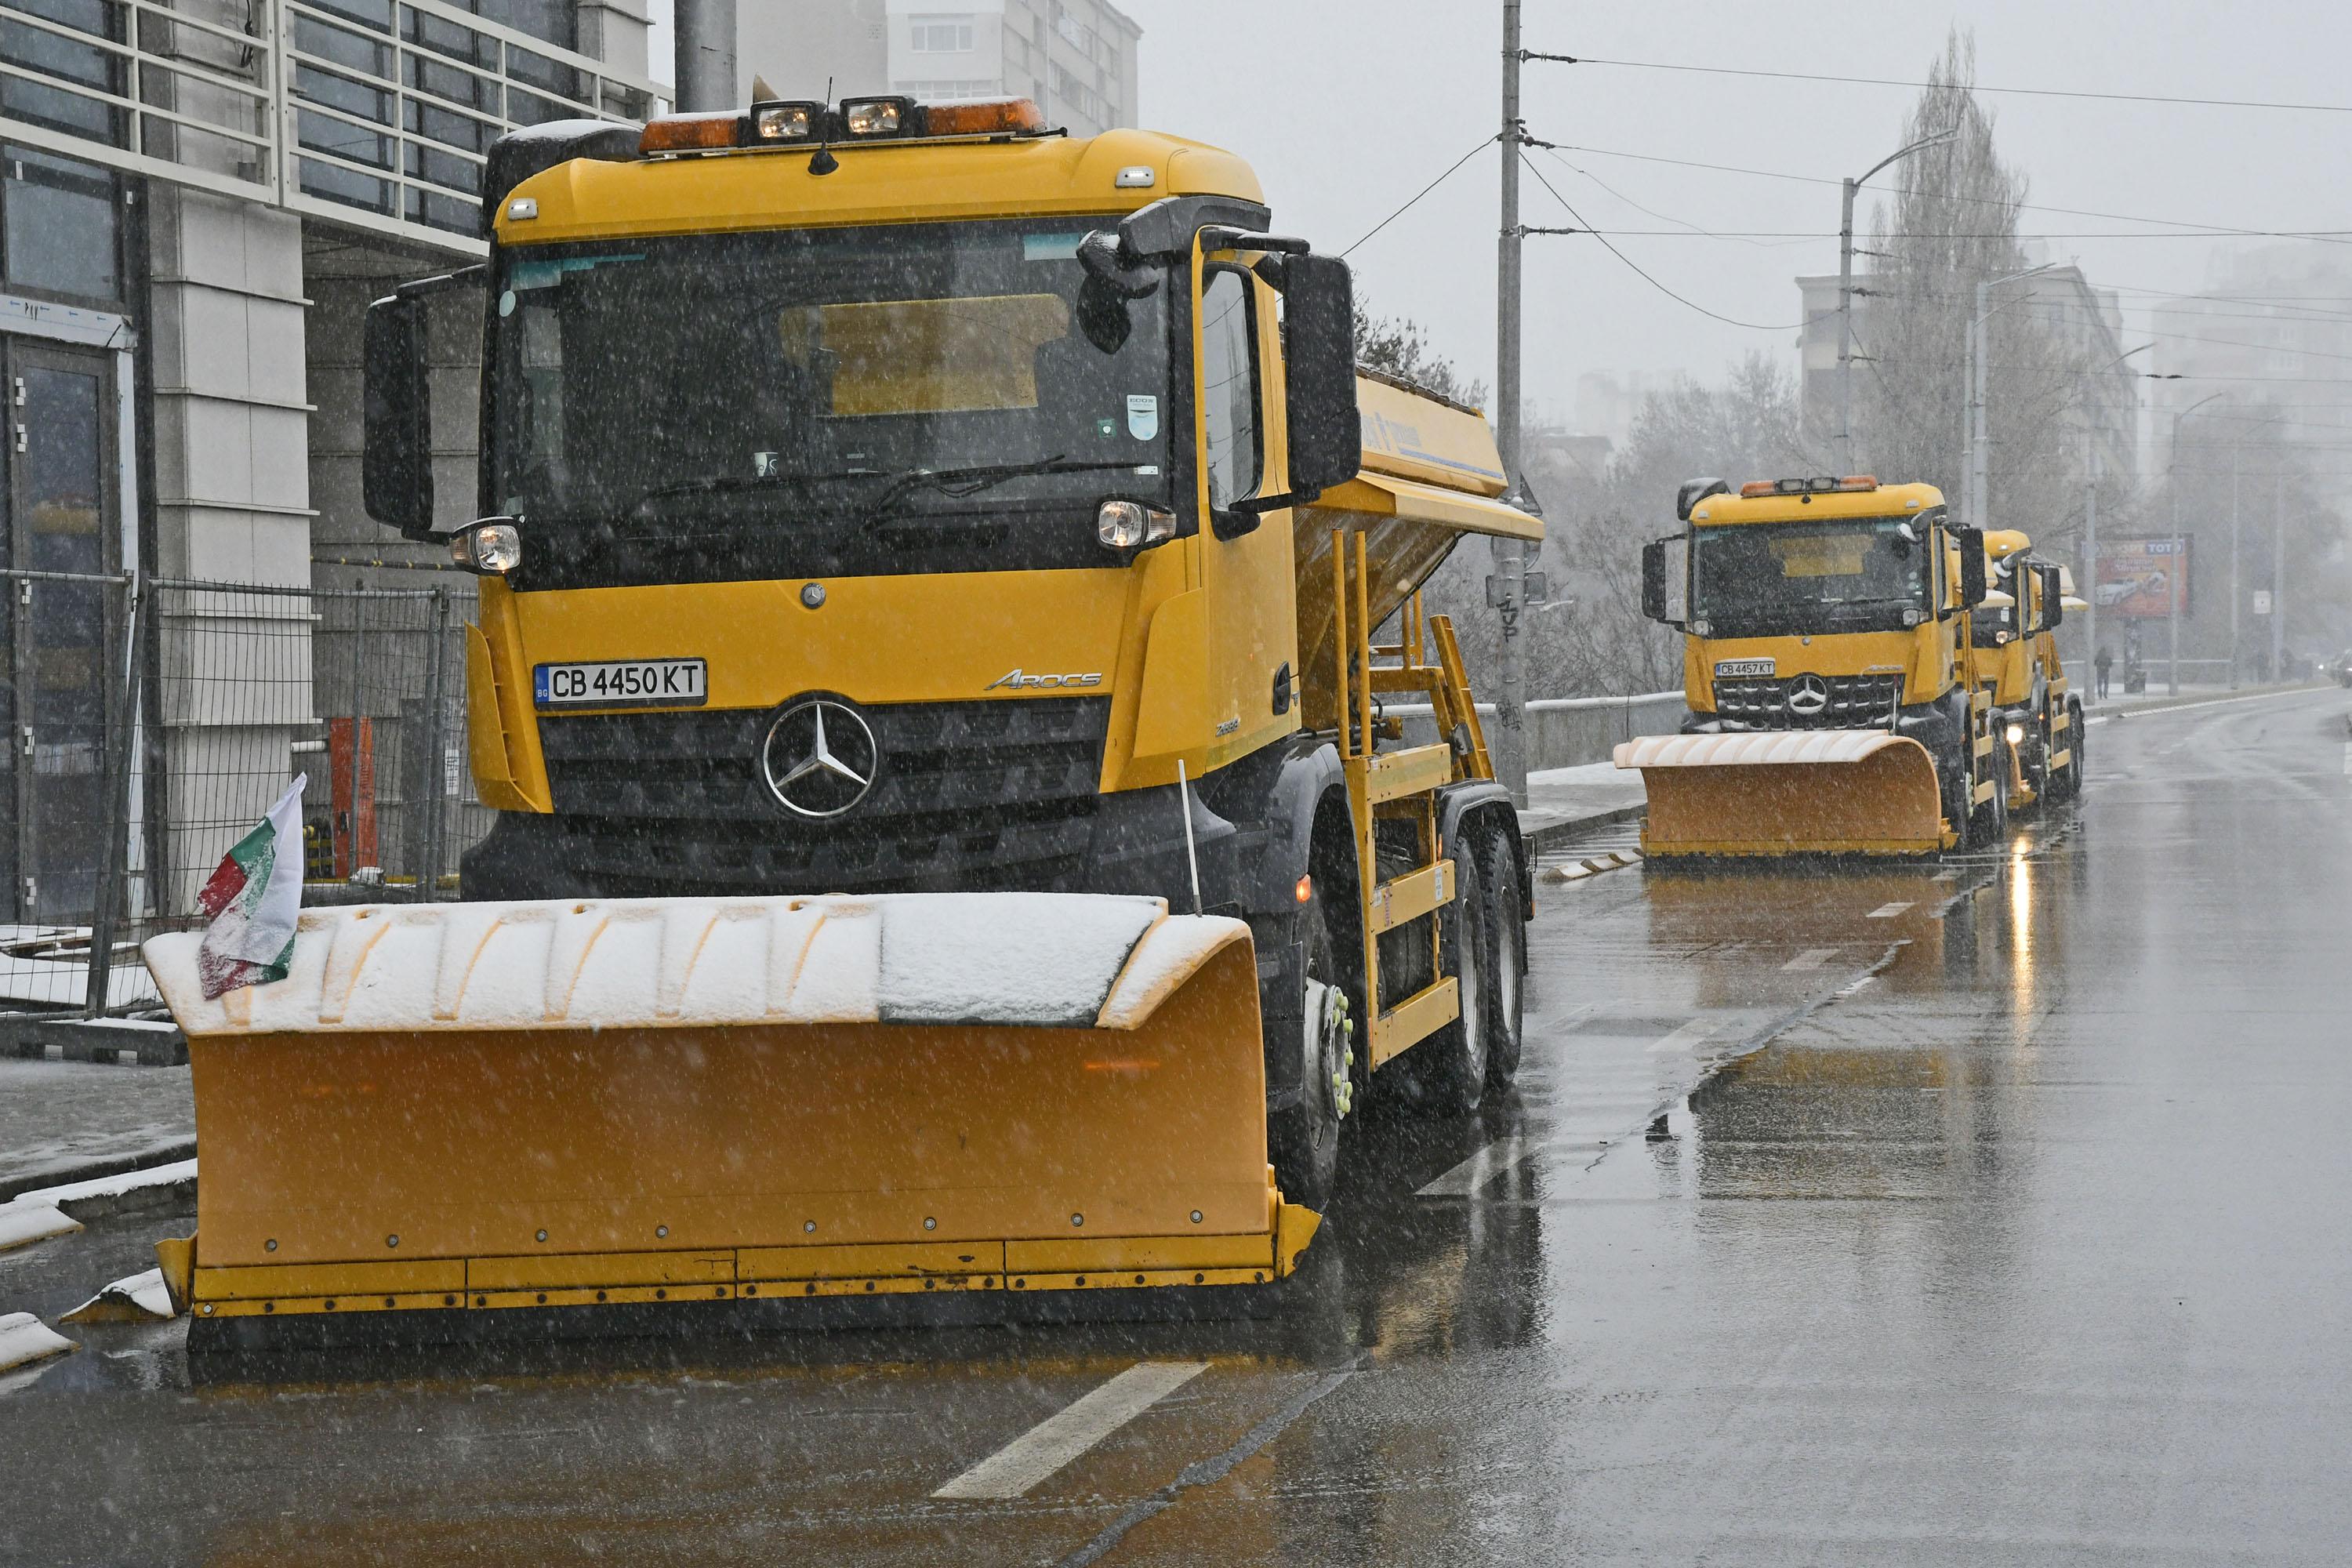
[(919, 553), (2015, 630), (1838, 703)]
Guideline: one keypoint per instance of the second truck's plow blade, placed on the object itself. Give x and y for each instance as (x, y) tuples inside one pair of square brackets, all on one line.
[(1817, 792), (465, 1108)]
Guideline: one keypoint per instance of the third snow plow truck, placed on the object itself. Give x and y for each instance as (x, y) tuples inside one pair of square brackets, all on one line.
[(949, 842), (1838, 703)]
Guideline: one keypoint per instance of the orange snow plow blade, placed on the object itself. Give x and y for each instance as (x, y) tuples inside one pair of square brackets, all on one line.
[(465, 1108), (1811, 791)]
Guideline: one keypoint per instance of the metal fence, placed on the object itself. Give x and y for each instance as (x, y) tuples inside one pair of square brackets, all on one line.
[(145, 754)]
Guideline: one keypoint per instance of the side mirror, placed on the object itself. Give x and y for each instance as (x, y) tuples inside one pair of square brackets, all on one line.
[(1970, 543), (2053, 599), (1664, 567), (396, 460), (1326, 433)]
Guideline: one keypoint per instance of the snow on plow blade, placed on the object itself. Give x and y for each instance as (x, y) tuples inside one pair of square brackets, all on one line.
[(1806, 792), (463, 1107)]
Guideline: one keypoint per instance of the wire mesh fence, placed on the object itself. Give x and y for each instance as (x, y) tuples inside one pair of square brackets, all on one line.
[(181, 712)]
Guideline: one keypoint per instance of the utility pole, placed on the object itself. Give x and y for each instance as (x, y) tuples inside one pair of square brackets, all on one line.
[(2090, 545), (1846, 295), (1510, 554), (1979, 431), (2278, 573), (2172, 585), (704, 33), (2236, 449)]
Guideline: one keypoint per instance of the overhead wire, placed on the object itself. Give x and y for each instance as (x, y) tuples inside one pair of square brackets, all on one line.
[(1484, 141), (2083, 93), (1636, 268)]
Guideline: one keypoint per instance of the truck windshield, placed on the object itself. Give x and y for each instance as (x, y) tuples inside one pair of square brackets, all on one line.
[(1767, 579), (774, 404)]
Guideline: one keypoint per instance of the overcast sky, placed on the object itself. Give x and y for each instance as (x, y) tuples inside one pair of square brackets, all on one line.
[(1346, 109)]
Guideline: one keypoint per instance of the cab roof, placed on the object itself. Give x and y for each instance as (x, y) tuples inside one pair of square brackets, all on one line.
[(1887, 500), (880, 182)]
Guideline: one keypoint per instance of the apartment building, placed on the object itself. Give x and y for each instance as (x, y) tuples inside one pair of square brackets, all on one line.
[(1075, 58), (197, 200)]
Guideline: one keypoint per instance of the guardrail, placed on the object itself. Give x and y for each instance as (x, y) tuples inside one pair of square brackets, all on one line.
[(1569, 732), (378, 113)]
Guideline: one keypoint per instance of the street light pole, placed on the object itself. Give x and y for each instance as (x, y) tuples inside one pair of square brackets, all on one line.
[(2091, 512), (1979, 474), (2173, 579), (1510, 554), (2278, 572), (1846, 295)]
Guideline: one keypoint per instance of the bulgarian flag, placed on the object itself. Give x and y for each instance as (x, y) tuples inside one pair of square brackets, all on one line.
[(253, 899)]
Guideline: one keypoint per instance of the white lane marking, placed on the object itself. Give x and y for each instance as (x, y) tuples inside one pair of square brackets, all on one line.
[(1689, 1038), (1465, 1179), (1812, 958), (1053, 1442), (1946, 875), (1889, 911)]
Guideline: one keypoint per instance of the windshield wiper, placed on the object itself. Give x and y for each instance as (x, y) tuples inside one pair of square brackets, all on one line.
[(721, 484), (961, 482)]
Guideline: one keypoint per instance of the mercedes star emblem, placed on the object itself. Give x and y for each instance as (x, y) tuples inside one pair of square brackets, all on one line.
[(1808, 695), (819, 758)]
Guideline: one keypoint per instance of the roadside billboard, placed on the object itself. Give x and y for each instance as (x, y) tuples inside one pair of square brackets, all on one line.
[(2143, 577)]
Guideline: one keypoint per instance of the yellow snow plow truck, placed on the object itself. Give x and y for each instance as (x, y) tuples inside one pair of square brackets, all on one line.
[(949, 842), (1838, 700), (2015, 630)]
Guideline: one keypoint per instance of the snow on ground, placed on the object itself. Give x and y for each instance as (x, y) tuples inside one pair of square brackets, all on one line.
[(134, 1298), (23, 1224), (25, 1338), (112, 1186)]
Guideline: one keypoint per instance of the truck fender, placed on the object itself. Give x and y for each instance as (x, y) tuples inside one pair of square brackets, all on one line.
[(1296, 793), (1461, 805)]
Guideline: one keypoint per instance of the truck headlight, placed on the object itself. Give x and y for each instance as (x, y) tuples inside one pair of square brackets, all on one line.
[(491, 547), (1701, 629), (2016, 734), (1125, 524), (1914, 615)]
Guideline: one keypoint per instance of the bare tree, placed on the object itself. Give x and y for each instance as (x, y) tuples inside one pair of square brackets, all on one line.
[(1399, 347)]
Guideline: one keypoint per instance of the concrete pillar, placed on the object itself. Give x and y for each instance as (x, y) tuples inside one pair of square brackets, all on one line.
[(230, 426)]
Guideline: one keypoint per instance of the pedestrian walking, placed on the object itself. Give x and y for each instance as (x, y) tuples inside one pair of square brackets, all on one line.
[(2103, 663)]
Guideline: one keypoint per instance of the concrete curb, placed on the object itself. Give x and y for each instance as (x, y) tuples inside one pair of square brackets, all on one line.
[(67, 1173), (1551, 835), (2113, 710), (37, 1035)]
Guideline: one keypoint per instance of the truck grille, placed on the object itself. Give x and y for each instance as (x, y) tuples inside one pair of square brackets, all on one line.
[(968, 795), (1855, 703)]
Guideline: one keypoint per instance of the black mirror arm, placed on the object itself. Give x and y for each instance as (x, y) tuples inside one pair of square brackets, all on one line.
[(1258, 506), (442, 283)]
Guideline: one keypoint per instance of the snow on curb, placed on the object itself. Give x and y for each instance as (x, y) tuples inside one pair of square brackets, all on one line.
[(1592, 867), (135, 1299), (23, 1224), (103, 1195), (25, 1338)]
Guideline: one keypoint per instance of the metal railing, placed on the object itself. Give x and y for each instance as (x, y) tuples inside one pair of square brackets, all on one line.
[(377, 113), (191, 706)]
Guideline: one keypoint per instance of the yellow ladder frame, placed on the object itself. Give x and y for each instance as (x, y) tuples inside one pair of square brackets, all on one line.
[(1400, 785)]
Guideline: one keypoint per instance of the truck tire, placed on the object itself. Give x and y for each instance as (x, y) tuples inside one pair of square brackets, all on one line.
[(1445, 1073), (1303, 1140), (1506, 946)]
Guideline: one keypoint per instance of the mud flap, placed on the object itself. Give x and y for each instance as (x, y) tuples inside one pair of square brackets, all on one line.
[(1817, 792), (631, 1102)]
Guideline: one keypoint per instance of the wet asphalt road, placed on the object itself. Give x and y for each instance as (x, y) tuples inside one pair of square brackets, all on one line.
[(1988, 1213)]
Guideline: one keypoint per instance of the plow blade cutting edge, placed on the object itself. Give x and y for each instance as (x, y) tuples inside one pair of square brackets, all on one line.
[(1812, 792), (446, 1110)]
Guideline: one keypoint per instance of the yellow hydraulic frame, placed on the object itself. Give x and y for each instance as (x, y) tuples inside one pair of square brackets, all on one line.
[(1400, 785)]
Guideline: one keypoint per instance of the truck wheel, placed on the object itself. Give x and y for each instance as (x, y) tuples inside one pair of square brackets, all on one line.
[(1445, 1074), (1506, 927), (2074, 737), (1303, 1141)]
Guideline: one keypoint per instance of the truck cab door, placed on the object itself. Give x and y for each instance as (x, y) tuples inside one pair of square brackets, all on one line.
[(1246, 570)]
